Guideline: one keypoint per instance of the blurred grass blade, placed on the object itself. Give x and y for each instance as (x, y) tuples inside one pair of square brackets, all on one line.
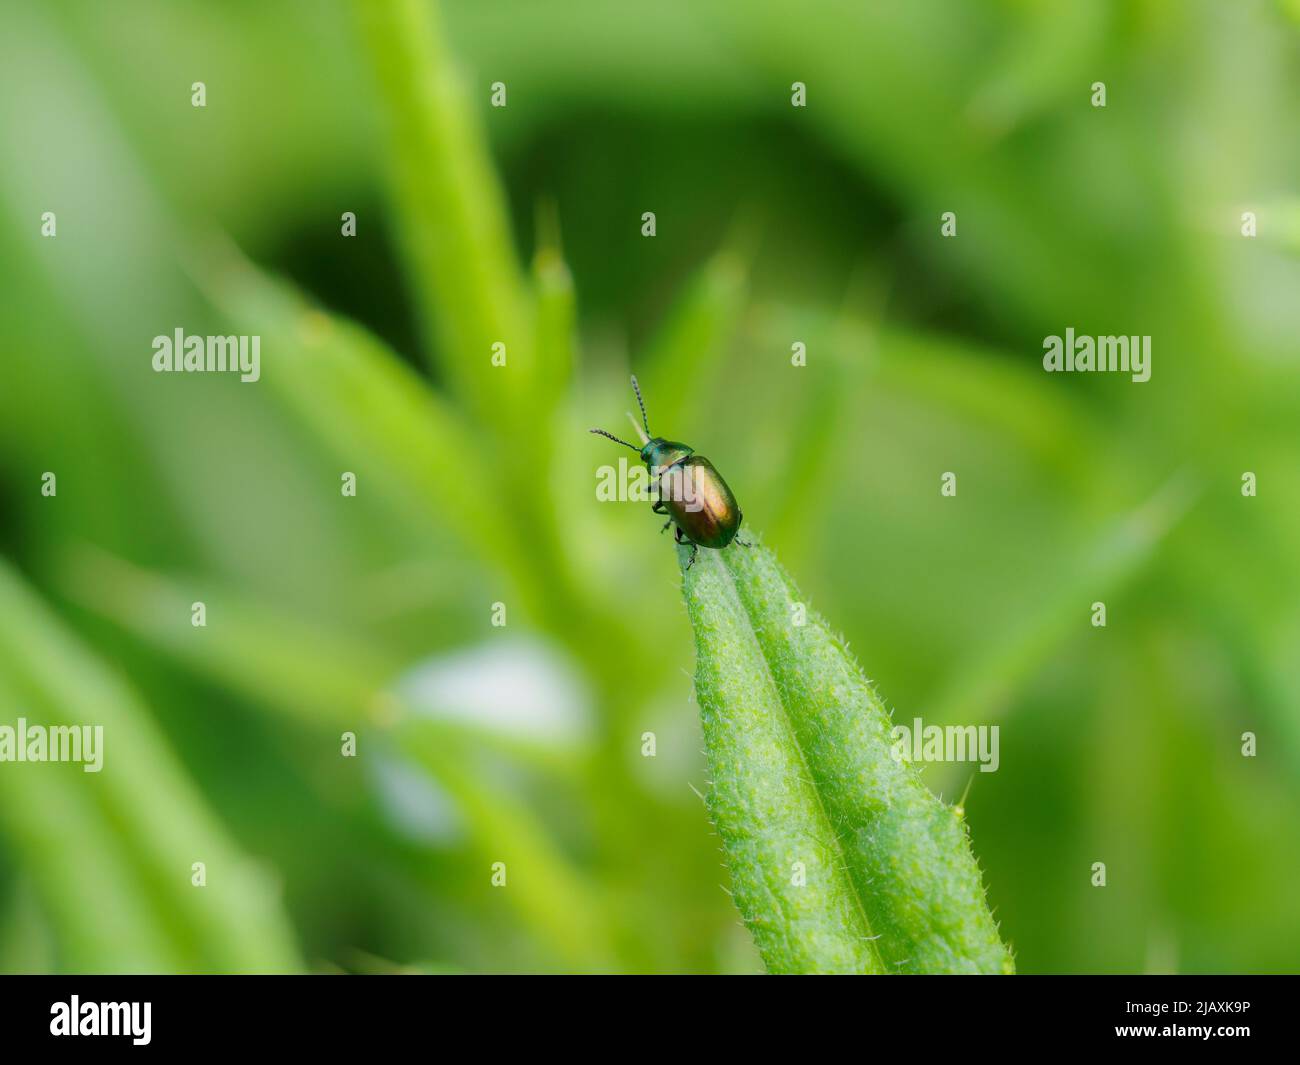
[(322, 679), (451, 211), (844, 353), (384, 423), (138, 820), (981, 691), (368, 408), (552, 898), (813, 440), (311, 673), (102, 923), (987, 388), (556, 306), (679, 368), (1040, 63), (327, 682), (800, 750)]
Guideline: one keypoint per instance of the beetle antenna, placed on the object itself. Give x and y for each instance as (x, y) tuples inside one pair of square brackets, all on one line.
[(611, 436), (641, 402)]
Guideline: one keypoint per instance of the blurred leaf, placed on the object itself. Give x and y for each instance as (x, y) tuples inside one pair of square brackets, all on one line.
[(1044, 60), (138, 822), (319, 677), (982, 690), (556, 306), (689, 352), (452, 216), (553, 899), (328, 683), (365, 406)]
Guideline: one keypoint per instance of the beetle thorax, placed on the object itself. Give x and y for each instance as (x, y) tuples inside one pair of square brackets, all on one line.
[(659, 453)]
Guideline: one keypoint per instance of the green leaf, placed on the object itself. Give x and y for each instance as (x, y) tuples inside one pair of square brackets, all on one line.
[(799, 750)]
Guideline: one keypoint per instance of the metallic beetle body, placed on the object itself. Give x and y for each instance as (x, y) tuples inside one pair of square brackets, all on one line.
[(689, 489), (692, 493)]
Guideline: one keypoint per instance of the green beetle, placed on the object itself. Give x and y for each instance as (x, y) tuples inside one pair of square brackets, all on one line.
[(690, 489)]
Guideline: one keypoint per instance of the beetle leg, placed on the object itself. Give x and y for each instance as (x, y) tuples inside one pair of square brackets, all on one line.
[(744, 543), (695, 548), (665, 528), (658, 507)]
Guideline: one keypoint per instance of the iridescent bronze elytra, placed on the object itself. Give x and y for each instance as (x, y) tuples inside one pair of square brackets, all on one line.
[(691, 490)]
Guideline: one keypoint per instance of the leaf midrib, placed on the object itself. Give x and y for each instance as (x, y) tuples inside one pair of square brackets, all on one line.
[(823, 812)]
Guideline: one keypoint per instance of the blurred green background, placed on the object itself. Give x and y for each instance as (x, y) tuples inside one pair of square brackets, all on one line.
[(522, 744)]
